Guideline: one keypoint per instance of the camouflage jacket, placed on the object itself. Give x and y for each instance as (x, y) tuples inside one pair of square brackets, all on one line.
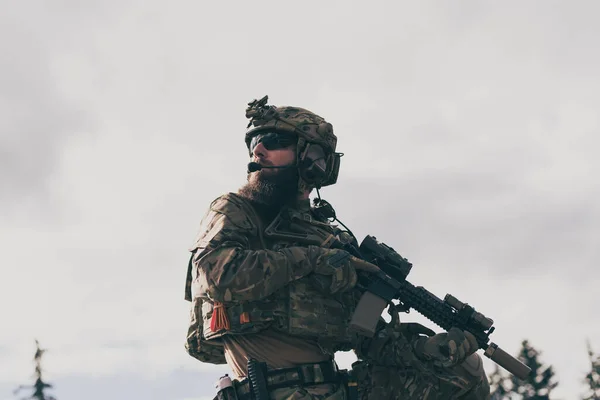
[(250, 277)]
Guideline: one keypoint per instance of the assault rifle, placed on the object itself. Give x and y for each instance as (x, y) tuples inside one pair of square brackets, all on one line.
[(391, 284)]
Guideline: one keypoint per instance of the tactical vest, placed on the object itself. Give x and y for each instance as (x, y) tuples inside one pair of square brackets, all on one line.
[(298, 309)]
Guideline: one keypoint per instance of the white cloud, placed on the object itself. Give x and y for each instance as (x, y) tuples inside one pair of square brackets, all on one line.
[(469, 140)]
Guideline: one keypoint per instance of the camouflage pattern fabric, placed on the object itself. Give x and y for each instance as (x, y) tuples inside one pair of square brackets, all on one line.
[(390, 369), (196, 345), (259, 278), (393, 383), (299, 121), (446, 349), (310, 393), (284, 276), (235, 263), (318, 392), (318, 385)]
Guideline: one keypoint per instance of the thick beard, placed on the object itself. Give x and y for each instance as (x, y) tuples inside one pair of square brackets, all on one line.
[(273, 188)]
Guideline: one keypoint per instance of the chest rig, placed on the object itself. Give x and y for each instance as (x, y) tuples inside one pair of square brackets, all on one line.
[(298, 309)]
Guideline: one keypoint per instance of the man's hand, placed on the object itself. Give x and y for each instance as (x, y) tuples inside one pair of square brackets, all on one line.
[(335, 269), (446, 349)]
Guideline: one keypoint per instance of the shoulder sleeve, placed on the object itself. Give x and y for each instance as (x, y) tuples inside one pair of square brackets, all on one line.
[(226, 219)]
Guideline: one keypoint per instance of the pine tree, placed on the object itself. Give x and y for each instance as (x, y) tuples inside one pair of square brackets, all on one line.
[(499, 390), (540, 382), (592, 379), (39, 387)]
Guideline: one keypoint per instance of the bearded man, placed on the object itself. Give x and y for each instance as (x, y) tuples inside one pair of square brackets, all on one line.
[(273, 291)]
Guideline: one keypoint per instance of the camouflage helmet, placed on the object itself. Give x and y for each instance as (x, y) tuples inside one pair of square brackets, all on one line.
[(318, 163)]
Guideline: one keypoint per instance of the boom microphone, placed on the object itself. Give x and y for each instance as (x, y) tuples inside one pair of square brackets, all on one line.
[(254, 166)]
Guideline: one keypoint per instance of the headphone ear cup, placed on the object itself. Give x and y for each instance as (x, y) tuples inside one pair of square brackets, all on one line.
[(334, 159), (313, 164)]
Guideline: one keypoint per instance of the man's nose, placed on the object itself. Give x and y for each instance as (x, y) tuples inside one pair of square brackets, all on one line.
[(259, 151)]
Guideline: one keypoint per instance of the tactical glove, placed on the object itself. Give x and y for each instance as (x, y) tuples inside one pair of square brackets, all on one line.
[(335, 271), (446, 349)]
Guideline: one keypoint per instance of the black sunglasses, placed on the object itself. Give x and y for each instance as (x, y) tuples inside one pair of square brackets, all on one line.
[(273, 141)]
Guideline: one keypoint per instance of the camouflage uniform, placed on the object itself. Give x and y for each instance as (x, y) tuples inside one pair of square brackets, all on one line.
[(389, 369), (249, 274)]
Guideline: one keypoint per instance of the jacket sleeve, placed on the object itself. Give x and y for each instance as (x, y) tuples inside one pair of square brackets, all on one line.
[(228, 270)]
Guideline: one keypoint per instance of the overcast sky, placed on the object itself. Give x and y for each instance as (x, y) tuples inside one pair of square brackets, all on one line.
[(470, 133)]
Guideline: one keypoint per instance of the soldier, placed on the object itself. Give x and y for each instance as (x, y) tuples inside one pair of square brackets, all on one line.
[(272, 292)]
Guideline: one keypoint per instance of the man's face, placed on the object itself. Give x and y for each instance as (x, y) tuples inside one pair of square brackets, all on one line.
[(273, 186), (273, 149)]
